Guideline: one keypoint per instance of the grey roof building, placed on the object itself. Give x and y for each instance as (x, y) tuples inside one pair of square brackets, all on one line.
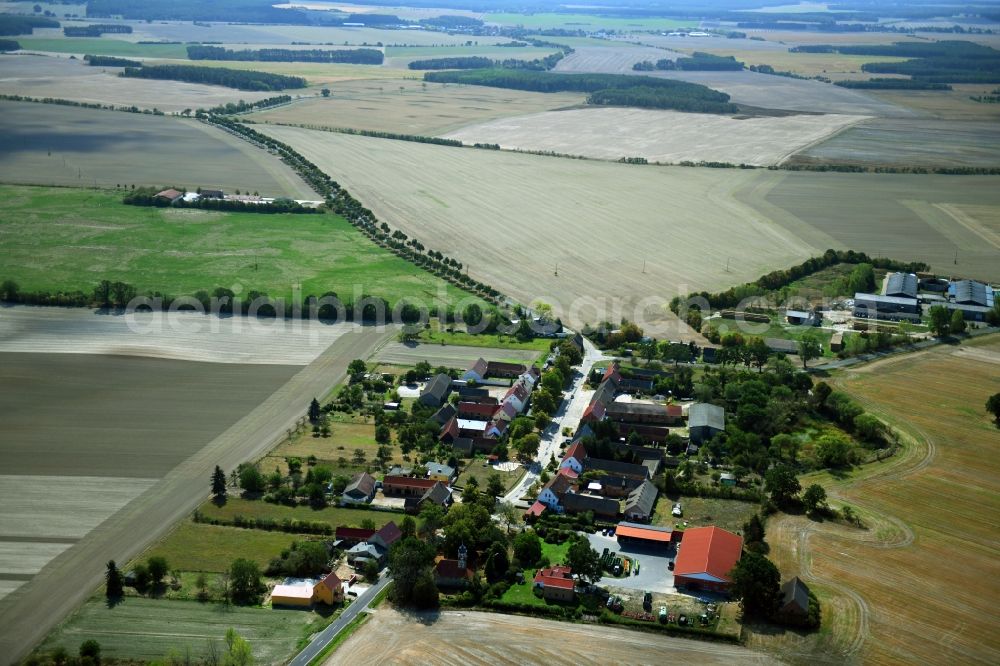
[(705, 421), (445, 414), (602, 507), (902, 285), (640, 502), (795, 598), (361, 488), (970, 292), (436, 390)]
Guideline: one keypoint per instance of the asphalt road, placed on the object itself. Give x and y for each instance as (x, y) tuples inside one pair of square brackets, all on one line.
[(30, 612), (327, 635), (568, 415)]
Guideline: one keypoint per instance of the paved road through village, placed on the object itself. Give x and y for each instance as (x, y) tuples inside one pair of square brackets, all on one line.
[(30, 612)]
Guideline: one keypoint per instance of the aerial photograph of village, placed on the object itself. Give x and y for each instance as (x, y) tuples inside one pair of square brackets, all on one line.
[(499, 332)]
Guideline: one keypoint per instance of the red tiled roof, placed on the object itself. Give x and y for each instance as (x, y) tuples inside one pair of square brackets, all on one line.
[(640, 533), (568, 471), (576, 451), (331, 581), (675, 411), (170, 194), (557, 576), (477, 409), (450, 569), (710, 550), (408, 482), (594, 410), (535, 509), (389, 533), (354, 533)]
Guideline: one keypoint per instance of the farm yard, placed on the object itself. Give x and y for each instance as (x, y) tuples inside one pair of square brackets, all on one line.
[(658, 136), (67, 239), (692, 221), (436, 638), (409, 106), (148, 629), (62, 78), (46, 144), (927, 510)]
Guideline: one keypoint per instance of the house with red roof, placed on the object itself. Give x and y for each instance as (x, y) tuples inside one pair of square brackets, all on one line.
[(387, 535), (705, 558), (556, 583), (329, 590), (476, 411), (534, 511), (575, 457), (406, 486), (353, 535), (553, 491)]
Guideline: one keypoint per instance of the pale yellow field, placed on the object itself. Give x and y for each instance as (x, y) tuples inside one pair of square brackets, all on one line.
[(659, 136), (517, 219), (576, 232), (919, 585), (413, 107)]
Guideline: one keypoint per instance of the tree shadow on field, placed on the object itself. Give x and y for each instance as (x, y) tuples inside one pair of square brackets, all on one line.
[(219, 500), (113, 602), (426, 618)]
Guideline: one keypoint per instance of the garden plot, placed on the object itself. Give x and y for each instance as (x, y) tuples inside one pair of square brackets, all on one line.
[(658, 136)]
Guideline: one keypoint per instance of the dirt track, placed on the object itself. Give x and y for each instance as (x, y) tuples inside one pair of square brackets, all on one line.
[(28, 613), (459, 638)]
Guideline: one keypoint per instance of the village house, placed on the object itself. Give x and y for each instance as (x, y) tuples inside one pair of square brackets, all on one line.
[(361, 489), (556, 583), (439, 494), (406, 486), (375, 548), (440, 472), (351, 536), (453, 573), (553, 492), (602, 507), (329, 590), (640, 502), (170, 195)]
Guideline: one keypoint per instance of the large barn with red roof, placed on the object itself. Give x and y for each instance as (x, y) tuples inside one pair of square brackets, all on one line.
[(705, 559)]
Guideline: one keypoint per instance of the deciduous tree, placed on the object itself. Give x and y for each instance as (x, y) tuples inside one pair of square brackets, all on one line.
[(756, 584), (245, 585)]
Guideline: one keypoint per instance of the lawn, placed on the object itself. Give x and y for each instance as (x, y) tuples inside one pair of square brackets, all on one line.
[(202, 547), (102, 46), (333, 515), (493, 341), (336, 451), (67, 239), (556, 552), (141, 630), (478, 469), (704, 511)]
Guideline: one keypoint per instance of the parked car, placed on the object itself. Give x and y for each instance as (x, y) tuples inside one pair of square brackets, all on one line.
[(677, 511)]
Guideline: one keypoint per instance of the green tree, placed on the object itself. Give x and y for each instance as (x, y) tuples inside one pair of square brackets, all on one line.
[(410, 561), (314, 411), (356, 368), (993, 407), (102, 294), (527, 548), (497, 562), (91, 649), (383, 434), (325, 92), (957, 322), (814, 499), (809, 348), (527, 446), (238, 652), (940, 320), (245, 582), (425, 593), (251, 480), (408, 526), (114, 584), (9, 291), (472, 315), (584, 560), (431, 520), (782, 485), (869, 428), (494, 485), (753, 534), (833, 450), (756, 584), (219, 483), (158, 568), (758, 352)]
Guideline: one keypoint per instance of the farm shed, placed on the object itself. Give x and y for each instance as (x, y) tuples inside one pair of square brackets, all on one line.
[(901, 284), (781, 346), (298, 596), (705, 558), (643, 535), (705, 421), (436, 391)]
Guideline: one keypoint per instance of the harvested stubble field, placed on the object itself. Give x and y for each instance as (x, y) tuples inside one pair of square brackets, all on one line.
[(120, 416), (746, 87), (66, 239), (597, 223), (919, 585), (45, 144), (910, 143), (62, 78), (412, 107), (144, 630), (658, 136), (944, 104), (453, 638)]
